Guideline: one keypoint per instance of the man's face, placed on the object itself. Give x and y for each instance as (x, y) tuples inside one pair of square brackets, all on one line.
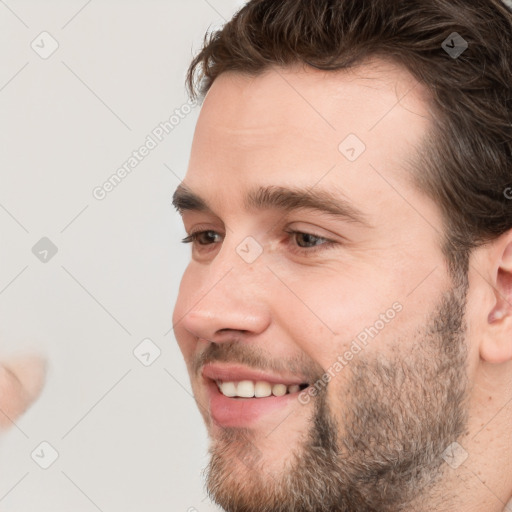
[(358, 306)]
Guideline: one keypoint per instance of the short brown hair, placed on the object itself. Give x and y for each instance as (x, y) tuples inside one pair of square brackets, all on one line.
[(466, 162)]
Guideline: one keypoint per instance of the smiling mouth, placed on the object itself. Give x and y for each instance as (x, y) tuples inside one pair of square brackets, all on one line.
[(258, 389), (244, 397)]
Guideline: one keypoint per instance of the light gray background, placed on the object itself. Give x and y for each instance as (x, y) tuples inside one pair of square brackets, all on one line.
[(129, 437)]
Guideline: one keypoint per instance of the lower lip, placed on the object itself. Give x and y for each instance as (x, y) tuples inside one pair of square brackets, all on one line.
[(243, 412)]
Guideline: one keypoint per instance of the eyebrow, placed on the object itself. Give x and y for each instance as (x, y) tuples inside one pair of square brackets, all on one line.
[(281, 198)]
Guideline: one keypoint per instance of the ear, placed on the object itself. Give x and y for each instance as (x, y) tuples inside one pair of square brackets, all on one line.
[(21, 381), (496, 347)]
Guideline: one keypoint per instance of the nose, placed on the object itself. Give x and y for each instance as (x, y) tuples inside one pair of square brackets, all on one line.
[(231, 300), (217, 323)]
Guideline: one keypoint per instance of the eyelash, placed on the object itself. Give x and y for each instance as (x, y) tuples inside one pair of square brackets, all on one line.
[(192, 238)]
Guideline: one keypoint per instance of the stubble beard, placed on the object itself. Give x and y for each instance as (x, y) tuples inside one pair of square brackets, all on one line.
[(400, 414)]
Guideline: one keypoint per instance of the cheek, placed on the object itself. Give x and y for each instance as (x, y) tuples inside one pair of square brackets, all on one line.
[(332, 310)]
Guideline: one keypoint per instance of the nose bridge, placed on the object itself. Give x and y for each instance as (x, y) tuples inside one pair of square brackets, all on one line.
[(231, 295), (237, 268)]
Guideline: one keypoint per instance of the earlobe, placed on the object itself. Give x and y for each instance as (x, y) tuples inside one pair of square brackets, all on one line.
[(497, 349), (497, 346)]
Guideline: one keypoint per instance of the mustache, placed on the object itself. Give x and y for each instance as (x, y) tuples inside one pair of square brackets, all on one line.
[(256, 358)]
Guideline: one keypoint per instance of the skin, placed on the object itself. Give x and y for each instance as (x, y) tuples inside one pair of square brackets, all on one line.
[(21, 381), (283, 127)]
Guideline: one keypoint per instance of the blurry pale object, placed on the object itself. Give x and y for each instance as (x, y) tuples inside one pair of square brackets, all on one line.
[(21, 381)]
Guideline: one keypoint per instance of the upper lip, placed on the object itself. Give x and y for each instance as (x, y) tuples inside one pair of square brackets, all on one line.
[(225, 372)]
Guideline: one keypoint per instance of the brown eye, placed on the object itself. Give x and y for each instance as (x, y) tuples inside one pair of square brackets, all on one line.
[(205, 237), (308, 239), (201, 237), (308, 243)]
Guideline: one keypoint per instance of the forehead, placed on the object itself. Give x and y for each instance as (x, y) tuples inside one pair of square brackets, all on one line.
[(295, 125), (356, 99)]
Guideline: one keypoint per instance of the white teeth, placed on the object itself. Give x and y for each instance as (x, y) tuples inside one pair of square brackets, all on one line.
[(228, 388), (259, 389), (245, 389), (262, 389), (279, 390)]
